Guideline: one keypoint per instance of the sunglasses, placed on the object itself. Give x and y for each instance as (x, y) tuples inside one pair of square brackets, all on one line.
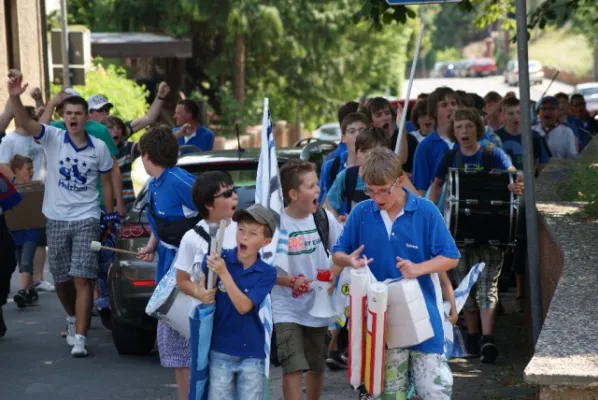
[(227, 194)]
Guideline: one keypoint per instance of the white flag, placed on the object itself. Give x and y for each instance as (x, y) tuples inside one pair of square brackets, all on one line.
[(268, 192)]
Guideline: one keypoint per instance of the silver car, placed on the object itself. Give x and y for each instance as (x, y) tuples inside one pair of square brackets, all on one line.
[(536, 73)]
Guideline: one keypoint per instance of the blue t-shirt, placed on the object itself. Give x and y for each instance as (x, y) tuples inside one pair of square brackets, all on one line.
[(326, 180), (490, 137), (27, 235), (409, 127), (511, 144), (170, 196), (340, 149), (336, 194), (499, 161), (235, 334), (418, 235), (429, 153), (203, 139)]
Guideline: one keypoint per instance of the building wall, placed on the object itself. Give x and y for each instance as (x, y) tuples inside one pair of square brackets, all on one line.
[(22, 44)]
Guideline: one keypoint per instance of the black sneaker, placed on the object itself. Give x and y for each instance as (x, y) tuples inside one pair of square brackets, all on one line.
[(472, 344), (32, 296), (363, 394), (2, 324), (335, 361), (345, 356), (488, 351), (21, 298)]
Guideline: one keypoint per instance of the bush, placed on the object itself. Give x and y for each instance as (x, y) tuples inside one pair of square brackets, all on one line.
[(448, 54), (111, 81), (582, 182)]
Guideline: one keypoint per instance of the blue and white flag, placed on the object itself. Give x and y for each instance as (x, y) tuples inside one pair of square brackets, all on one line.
[(453, 342), (268, 192)]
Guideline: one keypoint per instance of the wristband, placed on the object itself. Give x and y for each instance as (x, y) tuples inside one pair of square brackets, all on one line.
[(293, 280)]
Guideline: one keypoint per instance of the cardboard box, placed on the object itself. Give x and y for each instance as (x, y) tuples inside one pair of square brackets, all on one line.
[(402, 313), (28, 213), (408, 335)]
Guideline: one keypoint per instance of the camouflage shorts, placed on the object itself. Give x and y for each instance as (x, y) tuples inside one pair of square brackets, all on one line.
[(429, 373)]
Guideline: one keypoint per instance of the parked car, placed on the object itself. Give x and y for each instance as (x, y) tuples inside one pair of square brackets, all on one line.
[(463, 68), (437, 71), (449, 69), (329, 131), (536, 73), (131, 281), (482, 67), (589, 91)]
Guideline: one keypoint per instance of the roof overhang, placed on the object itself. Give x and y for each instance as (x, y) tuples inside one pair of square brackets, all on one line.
[(138, 44)]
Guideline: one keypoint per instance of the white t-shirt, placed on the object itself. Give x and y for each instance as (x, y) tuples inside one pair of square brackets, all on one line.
[(193, 248), (71, 193), (14, 143), (561, 141), (306, 256), (418, 135)]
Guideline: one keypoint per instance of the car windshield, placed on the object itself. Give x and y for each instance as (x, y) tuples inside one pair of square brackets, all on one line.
[(589, 91)]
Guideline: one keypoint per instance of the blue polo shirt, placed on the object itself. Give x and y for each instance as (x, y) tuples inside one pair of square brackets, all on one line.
[(340, 149), (235, 334), (170, 195), (326, 180), (429, 152), (202, 139), (418, 235)]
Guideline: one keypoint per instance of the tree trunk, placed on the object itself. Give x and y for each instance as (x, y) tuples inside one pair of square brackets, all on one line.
[(239, 72)]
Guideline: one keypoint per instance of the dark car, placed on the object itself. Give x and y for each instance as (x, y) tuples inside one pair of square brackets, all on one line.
[(131, 281)]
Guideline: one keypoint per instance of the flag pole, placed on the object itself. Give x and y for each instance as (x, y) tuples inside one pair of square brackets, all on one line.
[(409, 85)]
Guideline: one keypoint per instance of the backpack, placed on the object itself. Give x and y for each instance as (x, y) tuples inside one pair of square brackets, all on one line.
[(350, 194), (336, 165), (487, 158)]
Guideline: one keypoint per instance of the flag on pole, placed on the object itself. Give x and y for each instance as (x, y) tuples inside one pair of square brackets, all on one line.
[(268, 192)]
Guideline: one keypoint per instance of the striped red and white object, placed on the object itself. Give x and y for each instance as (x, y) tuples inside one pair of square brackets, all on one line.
[(376, 338), (358, 312)]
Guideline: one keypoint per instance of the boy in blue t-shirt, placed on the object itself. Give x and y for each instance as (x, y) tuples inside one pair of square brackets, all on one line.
[(237, 356), (466, 129), (405, 237), (352, 125)]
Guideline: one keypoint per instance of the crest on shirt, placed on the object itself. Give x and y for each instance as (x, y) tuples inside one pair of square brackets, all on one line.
[(73, 173), (221, 286)]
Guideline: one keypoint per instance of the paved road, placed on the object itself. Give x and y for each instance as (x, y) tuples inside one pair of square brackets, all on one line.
[(482, 86), (35, 363)]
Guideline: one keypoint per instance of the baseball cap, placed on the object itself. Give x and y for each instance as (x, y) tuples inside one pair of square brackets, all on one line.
[(260, 214), (97, 101), (71, 91), (551, 100)]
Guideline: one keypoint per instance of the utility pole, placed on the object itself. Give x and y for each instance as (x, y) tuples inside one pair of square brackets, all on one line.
[(528, 171), (66, 76)]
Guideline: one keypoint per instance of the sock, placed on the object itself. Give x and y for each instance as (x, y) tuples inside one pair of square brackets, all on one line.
[(488, 339), (71, 319), (77, 336)]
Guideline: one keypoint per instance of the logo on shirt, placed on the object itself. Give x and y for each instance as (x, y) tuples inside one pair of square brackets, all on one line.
[(73, 174), (411, 246), (221, 286), (299, 242)]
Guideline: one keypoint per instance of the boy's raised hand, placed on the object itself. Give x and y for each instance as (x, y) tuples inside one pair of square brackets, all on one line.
[(207, 296), (15, 83), (217, 265)]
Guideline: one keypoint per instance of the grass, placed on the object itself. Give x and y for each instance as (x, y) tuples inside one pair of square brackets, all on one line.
[(561, 49), (582, 182)]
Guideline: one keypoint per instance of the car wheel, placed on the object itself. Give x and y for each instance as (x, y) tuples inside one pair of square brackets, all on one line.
[(133, 340), (106, 318)]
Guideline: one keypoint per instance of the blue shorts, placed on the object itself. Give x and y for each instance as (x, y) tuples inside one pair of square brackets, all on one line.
[(235, 377)]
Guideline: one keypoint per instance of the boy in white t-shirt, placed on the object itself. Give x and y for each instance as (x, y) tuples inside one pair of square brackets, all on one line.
[(215, 197), (301, 337), (71, 205)]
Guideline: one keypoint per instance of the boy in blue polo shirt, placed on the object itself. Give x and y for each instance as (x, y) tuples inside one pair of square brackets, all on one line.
[(405, 237), (441, 105), (237, 356)]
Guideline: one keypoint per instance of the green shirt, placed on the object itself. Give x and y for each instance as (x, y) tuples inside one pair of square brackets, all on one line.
[(99, 131)]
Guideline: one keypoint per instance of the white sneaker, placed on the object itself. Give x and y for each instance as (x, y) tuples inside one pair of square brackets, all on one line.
[(80, 347), (44, 286), (70, 333)]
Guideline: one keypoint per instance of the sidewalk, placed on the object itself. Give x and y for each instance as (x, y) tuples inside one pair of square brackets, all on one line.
[(472, 379)]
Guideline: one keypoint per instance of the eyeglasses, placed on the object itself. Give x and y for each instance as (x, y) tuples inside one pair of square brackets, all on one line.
[(227, 194), (355, 131), (369, 192)]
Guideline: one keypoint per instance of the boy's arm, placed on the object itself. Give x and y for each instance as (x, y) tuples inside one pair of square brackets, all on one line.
[(409, 185), (22, 119), (448, 294), (243, 304), (107, 192), (436, 190), (6, 116)]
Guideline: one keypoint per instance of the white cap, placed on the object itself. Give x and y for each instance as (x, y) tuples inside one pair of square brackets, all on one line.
[(97, 101), (71, 91)]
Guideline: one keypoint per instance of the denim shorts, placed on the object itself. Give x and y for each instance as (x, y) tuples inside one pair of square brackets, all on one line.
[(25, 254), (235, 377)]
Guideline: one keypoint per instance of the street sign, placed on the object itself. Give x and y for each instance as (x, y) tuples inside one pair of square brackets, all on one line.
[(413, 2)]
